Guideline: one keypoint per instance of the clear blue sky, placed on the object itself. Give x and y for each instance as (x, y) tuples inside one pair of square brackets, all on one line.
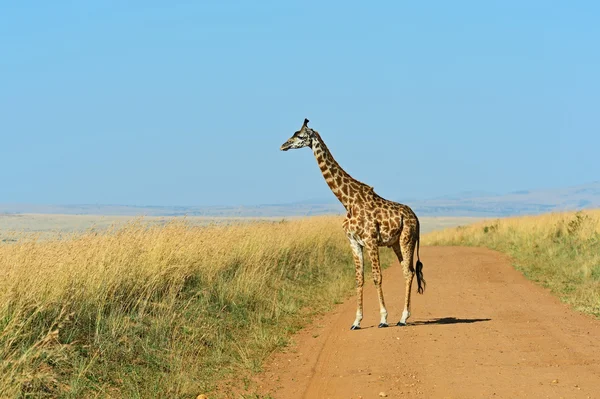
[(187, 103)]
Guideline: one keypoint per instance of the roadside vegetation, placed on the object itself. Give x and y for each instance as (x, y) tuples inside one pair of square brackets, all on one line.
[(145, 311), (561, 251)]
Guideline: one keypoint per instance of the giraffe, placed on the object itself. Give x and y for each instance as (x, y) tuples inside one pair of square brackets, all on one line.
[(371, 222)]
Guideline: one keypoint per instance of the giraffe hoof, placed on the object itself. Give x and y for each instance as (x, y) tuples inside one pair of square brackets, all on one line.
[(383, 325), (400, 324), (355, 327)]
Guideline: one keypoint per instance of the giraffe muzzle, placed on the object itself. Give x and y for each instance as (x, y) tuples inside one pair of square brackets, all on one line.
[(285, 146)]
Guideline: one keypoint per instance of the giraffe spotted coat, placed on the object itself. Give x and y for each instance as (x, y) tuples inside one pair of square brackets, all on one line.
[(371, 222)]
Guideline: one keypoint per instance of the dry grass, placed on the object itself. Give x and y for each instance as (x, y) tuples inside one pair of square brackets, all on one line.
[(52, 225), (561, 251), (160, 311)]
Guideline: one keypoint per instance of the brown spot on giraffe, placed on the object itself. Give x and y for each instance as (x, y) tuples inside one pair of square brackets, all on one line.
[(345, 190), (371, 222)]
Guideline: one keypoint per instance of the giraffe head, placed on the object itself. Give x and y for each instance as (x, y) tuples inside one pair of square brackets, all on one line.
[(302, 138)]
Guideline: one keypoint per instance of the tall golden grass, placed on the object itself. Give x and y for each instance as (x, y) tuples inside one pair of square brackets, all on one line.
[(160, 311), (561, 251)]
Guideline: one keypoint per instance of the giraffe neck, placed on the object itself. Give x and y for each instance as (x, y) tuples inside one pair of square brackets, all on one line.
[(341, 183)]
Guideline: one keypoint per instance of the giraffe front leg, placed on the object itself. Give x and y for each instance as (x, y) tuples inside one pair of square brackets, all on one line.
[(357, 252), (378, 279)]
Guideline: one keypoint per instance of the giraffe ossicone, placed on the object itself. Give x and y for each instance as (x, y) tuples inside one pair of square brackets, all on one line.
[(371, 222)]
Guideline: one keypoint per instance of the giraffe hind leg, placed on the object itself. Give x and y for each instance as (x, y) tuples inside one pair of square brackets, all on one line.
[(404, 250)]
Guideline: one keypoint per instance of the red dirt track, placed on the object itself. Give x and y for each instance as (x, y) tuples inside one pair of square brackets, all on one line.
[(481, 330)]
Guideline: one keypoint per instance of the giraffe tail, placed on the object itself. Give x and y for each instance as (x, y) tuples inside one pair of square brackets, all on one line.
[(419, 271)]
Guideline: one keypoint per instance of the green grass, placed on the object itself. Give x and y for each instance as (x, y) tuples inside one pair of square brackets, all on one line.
[(560, 251)]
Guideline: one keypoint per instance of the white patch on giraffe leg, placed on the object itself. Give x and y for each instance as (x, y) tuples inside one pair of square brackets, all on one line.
[(383, 322), (405, 315), (357, 321)]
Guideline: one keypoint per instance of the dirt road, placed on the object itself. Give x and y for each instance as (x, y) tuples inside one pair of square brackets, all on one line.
[(480, 331)]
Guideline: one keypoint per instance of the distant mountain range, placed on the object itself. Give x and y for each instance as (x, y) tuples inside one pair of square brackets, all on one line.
[(472, 203), (516, 203)]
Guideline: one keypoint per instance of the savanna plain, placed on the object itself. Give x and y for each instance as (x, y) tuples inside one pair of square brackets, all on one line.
[(177, 307), (158, 307)]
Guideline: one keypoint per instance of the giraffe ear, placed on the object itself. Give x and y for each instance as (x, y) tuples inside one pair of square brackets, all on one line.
[(305, 122)]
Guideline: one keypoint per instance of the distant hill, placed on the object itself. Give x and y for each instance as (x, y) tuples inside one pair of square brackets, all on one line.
[(516, 203), (472, 203)]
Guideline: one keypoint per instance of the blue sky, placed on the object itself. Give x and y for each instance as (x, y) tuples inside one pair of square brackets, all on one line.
[(187, 103)]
